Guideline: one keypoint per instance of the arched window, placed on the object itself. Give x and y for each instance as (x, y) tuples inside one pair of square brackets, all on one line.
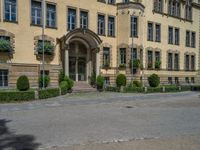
[(158, 5), (188, 10)]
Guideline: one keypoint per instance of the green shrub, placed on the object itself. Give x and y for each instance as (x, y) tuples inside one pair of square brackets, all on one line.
[(154, 89), (186, 88), (61, 76), (70, 82), (135, 63), (171, 88), (48, 47), (23, 83), (64, 86), (48, 93), (130, 89), (137, 83), (46, 81), (12, 96), (100, 82), (122, 66), (195, 88), (112, 89), (93, 79), (154, 80), (5, 45), (121, 80), (157, 64)]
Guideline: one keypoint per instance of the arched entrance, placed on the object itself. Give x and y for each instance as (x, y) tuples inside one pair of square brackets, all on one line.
[(80, 54)]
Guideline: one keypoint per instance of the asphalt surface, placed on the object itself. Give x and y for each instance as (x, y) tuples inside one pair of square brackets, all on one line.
[(98, 118)]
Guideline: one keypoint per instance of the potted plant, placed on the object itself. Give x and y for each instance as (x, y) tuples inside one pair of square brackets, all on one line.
[(100, 83), (135, 63), (157, 64), (93, 79), (5, 45), (106, 65), (48, 48), (122, 66)]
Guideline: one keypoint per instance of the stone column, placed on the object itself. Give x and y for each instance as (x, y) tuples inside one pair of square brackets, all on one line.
[(67, 62), (98, 62)]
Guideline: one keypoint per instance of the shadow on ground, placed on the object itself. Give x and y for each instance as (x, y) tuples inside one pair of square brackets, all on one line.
[(9, 140)]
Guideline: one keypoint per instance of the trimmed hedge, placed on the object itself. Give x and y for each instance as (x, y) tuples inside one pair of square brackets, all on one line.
[(23, 83), (154, 90), (112, 89), (64, 86), (12, 96), (185, 88), (121, 80), (172, 88), (48, 93), (133, 89)]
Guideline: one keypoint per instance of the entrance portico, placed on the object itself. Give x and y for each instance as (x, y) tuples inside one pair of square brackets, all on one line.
[(80, 49)]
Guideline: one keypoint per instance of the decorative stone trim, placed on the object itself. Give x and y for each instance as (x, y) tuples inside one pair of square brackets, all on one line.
[(11, 36)]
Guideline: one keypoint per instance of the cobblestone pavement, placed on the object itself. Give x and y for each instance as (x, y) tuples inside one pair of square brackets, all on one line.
[(98, 118)]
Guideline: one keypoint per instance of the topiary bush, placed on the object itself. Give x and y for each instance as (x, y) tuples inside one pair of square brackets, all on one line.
[(99, 82), (64, 86), (135, 63), (69, 81), (23, 83), (121, 80), (46, 81), (154, 80), (137, 83)]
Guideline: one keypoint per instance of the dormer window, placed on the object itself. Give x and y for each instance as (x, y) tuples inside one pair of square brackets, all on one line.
[(158, 5)]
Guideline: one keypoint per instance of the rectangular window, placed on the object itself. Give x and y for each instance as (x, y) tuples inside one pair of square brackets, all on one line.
[(106, 56), (51, 15), (101, 24), (84, 19), (157, 56), (122, 55), (187, 80), (71, 19), (192, 62), (158, 5), (170, 61), (150, 59), (176, 62), (111, 26), (187, 39), (111, 1), (106, 80), (177, 32), (36, 12), (170, 80), (176, 80), (170, 35), (193, 40), (10, 8), (158, 33), (134, 53), (192, 80), (134, 26), (3, 78), (150, 31), (187, 62)]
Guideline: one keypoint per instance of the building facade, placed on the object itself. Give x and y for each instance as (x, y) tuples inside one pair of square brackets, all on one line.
[(107, 37)]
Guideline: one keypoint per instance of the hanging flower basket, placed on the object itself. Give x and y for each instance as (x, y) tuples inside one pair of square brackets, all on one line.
[(48, 48), (5, 46)]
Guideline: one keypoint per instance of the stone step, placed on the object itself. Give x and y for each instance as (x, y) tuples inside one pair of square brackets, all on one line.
[(83, 87)]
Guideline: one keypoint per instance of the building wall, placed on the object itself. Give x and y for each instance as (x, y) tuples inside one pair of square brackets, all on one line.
[(24, 48)]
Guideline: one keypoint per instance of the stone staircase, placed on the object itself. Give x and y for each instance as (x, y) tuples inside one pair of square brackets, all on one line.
[(83, 87)]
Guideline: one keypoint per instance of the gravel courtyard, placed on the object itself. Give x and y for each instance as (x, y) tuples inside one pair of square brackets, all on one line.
[(96, 118)]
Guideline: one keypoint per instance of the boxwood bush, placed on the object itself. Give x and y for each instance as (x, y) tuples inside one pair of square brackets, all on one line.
[(154, 80), (48, 93), (23, 83), (186, 88), (130, 89), (154, 89), (121, 80), (171, 88), (112, 89), (12, 96), (64, 86)]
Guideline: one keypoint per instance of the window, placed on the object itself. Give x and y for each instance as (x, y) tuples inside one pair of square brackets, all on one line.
[(71, 19), (150, 31), (187, 62), (84, 19), (187, 39), (192, 62), (51, 15), (158, 33), (187, 80), (133, 53), (126, 1), (3, 78), (46, 72), (122, 55), (134, 26), (192, 80), (10, 10), (176, 80), (177, 36), (106, 56), (193, 40), (170, 80), (158, 5), (101, 24), (174, 8), (176, 62), (150, 59), (170, 35), (170, 61), (36, 12), (111, 26), (7, 38), (188, 10), (157, 56), (111, 1), (106, 80)]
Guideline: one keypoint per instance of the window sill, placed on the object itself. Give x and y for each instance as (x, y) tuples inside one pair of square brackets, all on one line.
[(51, 27), (36, 25), (112, 36), (134, 36), (8, 21)]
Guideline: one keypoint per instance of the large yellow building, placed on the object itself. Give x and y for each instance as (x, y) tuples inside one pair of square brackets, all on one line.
[(101, 36)]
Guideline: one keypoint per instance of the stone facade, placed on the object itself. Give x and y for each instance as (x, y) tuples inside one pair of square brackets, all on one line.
[(24, 37)]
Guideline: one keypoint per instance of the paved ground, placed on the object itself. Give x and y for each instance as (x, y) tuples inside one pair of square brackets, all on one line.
[(102, 118)]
